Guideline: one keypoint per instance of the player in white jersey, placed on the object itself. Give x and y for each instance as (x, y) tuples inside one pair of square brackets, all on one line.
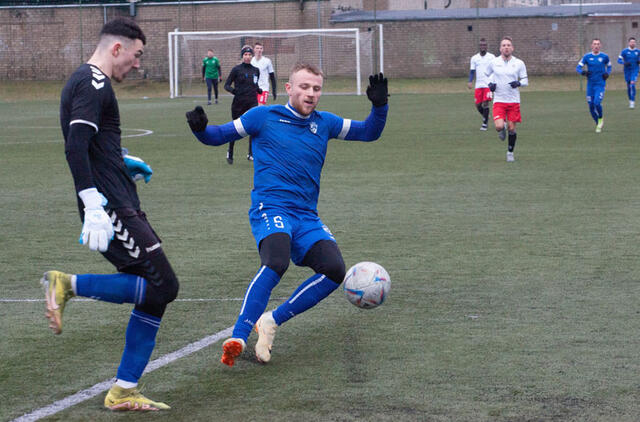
[(266, 74), (478, 67), (506, 74)]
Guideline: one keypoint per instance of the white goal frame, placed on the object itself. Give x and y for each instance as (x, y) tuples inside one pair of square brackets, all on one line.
[(173, 44)]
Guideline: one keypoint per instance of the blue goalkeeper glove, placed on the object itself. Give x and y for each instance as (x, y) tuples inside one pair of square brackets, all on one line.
[(514, 84), (492, 86), (138, 169)]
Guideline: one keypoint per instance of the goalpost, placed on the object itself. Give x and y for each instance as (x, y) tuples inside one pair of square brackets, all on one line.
[(344, 55)]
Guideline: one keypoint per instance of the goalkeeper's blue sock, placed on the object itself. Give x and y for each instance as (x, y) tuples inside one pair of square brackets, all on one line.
[(599, 111), (255, 301), (139, 343), (306, 296), (115, 288), (592, 110)]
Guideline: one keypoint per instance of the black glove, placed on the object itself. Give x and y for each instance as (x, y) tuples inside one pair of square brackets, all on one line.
[(514, 84), (627, 64), (197, 119), (586, 73), (492, 87), (377, 91), (605, 76), (259, 90)]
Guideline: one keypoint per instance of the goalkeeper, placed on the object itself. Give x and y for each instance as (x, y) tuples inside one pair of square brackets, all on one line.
[(290, 146), (109, 206)]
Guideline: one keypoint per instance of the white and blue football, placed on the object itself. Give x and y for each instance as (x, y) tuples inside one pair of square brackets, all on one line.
[(366, 285)]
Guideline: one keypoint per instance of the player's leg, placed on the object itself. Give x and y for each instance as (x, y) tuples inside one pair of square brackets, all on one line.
[(513, 117), (632, 90), (598, 96), (315, 248), (272, 230), (209, 84), (237, 109), (485, 115), (499, 119), (215, 90)]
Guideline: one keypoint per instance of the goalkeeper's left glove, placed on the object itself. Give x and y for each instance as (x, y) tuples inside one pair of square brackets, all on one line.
[(138, 169), (377, 91), (514, 84), (605, 76)]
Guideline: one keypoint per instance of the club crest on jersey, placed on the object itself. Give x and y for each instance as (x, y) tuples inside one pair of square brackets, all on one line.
[(255, 79), (313, 127)]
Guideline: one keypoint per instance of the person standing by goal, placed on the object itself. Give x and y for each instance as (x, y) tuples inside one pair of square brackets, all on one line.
[(507, 73), (266, 74), (211, 74)]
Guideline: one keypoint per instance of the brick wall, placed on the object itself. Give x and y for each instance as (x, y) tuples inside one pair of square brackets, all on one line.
[(49, 43)]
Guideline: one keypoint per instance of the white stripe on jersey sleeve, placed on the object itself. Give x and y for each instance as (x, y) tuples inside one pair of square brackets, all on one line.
[(239, 128), (346, 125), (85, 122)]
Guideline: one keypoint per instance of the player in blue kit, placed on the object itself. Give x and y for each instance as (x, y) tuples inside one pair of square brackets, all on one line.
[(597, 72), (629, 58), (289, 147), (113, 222)]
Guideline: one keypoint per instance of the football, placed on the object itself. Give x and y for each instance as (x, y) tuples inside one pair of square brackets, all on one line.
[(366, 285)]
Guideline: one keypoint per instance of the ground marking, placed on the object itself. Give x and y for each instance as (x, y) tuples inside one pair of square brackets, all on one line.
[(103, 386)]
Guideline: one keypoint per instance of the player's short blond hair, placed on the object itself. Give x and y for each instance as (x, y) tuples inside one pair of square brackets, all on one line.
[(306, 66)]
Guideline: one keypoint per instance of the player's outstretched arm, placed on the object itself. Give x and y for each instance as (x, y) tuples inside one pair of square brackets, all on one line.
[(210, 134), (371, 128)]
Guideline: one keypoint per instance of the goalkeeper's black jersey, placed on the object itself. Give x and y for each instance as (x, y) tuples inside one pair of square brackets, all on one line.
[(244, 78), (88, 99)]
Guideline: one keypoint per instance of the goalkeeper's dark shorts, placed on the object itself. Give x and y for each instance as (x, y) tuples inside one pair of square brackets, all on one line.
[(134, 240)]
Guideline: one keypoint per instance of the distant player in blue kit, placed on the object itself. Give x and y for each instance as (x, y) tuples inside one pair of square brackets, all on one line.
[(597, 72), (113, 222), (629, 58), (289, 146)]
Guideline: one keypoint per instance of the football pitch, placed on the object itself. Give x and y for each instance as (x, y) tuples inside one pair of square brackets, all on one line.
[(515, 286)]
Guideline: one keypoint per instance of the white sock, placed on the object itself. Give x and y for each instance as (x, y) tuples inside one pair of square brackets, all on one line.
[(73, 284), (125, 384)]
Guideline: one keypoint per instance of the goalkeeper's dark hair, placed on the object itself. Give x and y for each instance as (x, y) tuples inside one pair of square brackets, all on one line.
[(124, 27), (631, 38), (308, 67)]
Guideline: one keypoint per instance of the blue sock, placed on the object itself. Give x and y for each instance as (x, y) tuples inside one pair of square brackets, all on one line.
[(139, 343), (592, 110), (255, 301), (115, 288), (632, 92), (599, 110), (306, 296)]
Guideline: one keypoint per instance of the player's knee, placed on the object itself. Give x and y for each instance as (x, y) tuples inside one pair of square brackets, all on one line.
[(277, 263), (335, 271), (325, 258)]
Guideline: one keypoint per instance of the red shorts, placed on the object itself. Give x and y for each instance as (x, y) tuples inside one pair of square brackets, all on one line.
[(483, 94), (507, 111), (262, 98)]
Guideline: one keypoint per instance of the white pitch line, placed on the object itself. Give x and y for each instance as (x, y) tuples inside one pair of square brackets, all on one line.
[(103, 386), (143, 132)]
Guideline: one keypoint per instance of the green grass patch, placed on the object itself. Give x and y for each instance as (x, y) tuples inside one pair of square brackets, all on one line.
[(514, 285)]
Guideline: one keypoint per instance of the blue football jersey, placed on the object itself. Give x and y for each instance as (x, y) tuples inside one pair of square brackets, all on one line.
[(630, 58), (289, 151), (597, 64)]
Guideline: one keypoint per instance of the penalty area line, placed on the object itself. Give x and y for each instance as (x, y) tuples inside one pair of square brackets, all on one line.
[(103, 386)]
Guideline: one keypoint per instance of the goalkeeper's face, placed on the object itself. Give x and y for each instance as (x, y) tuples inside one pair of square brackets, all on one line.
[(304, 89), (126, 57)]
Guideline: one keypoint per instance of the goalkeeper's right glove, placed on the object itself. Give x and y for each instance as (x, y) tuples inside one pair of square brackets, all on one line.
[(492, 86), (197, 119), (97, 230), (586, 73)]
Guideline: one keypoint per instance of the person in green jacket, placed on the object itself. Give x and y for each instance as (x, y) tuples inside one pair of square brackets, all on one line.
[(212, 74)]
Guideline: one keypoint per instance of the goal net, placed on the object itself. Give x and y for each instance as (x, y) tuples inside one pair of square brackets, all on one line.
[(346, 56)]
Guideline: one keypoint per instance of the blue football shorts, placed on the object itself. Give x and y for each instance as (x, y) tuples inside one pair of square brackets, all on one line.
[(303, 227), (595, 93)]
